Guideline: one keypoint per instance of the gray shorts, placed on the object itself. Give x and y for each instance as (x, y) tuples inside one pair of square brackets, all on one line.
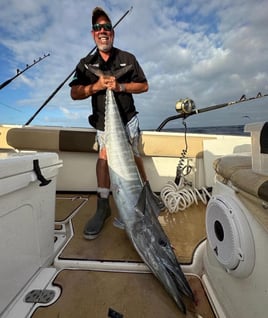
[(133, 133)]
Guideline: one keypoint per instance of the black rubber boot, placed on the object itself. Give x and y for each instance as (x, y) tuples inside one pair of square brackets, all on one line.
[(95, 224)]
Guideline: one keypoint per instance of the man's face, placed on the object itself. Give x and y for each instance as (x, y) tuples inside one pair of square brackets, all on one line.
[(102, 35)]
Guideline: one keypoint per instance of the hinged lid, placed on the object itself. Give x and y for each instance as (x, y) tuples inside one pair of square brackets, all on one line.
[(12, 163)]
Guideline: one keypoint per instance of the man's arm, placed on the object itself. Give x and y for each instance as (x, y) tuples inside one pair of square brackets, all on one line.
[(132, 88), (82, 91), (85, 91), (104, 82)]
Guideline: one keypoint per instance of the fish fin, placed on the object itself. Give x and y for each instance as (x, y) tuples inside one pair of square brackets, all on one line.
[(119, 224), (155, 201), (141, 204), (93, 69), (117, 74), (149, 201), (122, 71)]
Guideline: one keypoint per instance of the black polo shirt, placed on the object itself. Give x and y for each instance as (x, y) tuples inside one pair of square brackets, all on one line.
[(125, 101)]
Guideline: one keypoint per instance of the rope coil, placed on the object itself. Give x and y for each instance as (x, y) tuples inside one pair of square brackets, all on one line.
[(180, 197)]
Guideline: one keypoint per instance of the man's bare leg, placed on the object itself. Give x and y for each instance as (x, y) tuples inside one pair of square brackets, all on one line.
[(140, 166)]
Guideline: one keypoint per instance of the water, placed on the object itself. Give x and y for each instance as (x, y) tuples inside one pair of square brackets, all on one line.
[(236, 130)]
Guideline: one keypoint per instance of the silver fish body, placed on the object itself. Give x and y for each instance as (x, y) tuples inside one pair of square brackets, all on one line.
[(138, 210)]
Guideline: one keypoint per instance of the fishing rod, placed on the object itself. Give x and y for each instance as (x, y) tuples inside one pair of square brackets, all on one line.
[(60, 86), (20, 72), (186, 107)]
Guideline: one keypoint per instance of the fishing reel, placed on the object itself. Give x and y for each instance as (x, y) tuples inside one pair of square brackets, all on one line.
[(185, 106)]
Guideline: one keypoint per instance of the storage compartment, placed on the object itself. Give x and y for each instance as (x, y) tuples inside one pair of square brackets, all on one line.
[(259, 143), (27, 208)]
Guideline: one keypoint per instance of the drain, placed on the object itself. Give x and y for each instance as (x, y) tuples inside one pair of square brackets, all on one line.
[(42, 296)]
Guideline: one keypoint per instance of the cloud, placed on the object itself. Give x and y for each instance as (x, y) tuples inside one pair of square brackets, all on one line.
[(209, 51)]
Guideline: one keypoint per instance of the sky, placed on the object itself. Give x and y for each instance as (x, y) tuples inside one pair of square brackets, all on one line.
[(212, 52)]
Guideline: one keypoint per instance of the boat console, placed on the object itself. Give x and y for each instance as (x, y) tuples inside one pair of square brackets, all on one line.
[(236, 255)]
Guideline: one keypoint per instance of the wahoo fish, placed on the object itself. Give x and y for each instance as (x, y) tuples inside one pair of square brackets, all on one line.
[(137, 206)]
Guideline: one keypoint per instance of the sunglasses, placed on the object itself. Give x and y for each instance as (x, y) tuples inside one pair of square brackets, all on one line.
[(105, 26)]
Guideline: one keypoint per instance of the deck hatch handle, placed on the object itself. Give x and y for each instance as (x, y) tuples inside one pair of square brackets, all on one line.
[(42, 296)]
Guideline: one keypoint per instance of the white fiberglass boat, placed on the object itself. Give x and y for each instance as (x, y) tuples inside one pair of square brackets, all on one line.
[(47, 193)]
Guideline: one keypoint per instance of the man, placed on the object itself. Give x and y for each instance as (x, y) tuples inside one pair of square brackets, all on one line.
[(86, 84)]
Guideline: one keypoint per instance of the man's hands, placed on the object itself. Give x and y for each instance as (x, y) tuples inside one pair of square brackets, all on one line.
[(104, 82), (107, 82)]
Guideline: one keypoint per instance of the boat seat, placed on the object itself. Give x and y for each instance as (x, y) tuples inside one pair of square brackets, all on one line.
[(83, 140), (27, 138), (238, 170)]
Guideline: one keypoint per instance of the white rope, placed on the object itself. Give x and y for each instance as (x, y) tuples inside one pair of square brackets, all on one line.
[(180, 197)]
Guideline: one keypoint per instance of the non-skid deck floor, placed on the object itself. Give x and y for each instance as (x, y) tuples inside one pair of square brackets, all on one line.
[(185, 229), (86, 293), (91, 294)]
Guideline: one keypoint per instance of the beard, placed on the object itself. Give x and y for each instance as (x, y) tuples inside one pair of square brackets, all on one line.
[(105, 47)]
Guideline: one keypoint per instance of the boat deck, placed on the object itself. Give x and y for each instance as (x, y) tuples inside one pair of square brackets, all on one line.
[(186, 230), (93, 294), (87, 291)]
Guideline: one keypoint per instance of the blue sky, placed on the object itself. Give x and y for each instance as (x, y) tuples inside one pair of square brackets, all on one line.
[(210, 51)]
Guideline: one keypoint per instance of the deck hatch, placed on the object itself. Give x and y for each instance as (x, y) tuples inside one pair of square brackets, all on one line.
[(42, 296)]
